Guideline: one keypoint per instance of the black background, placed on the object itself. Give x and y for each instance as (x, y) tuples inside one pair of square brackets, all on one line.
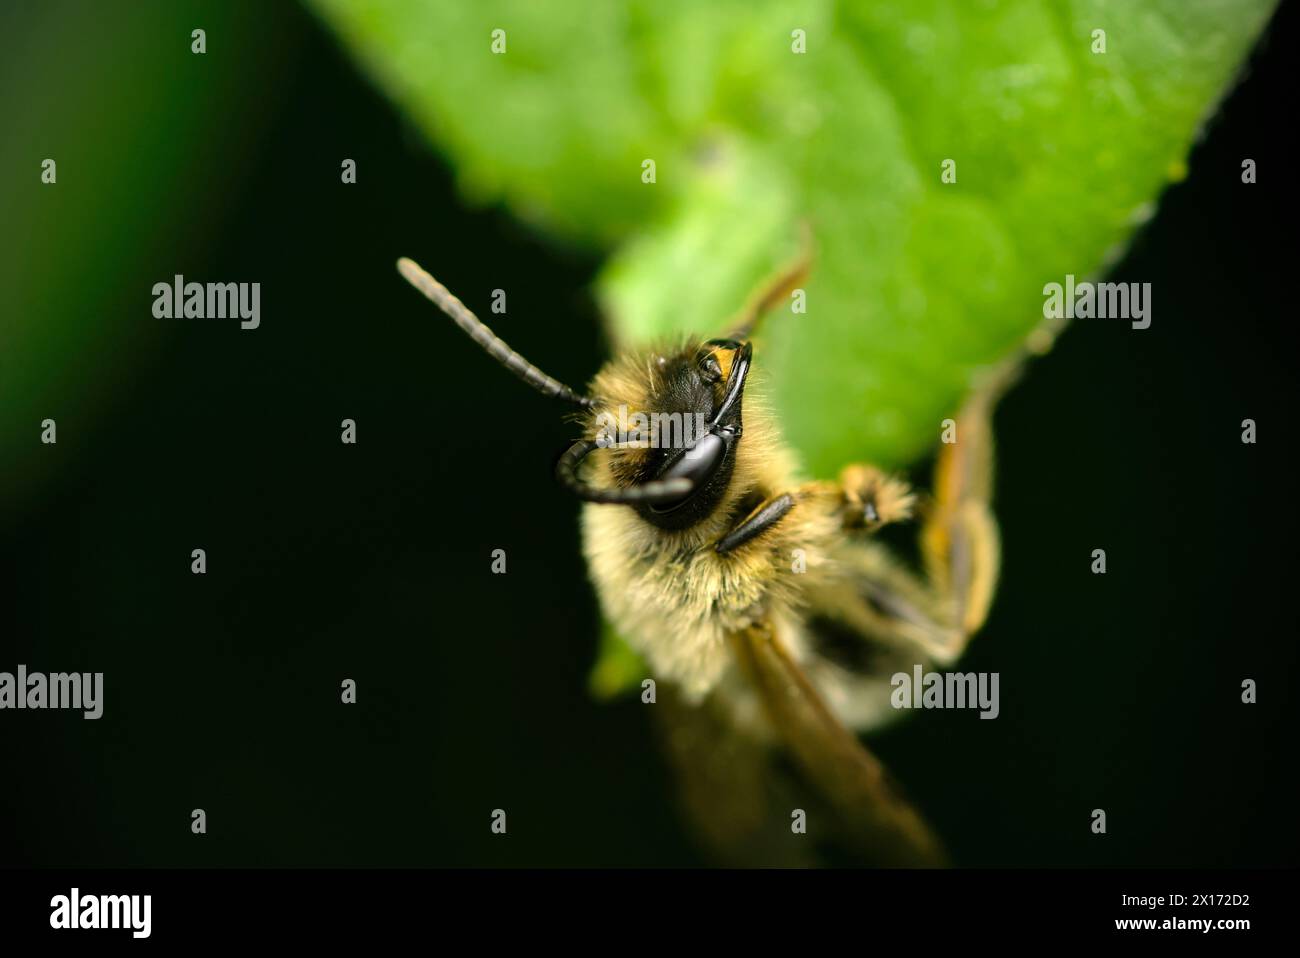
[(371, 562)]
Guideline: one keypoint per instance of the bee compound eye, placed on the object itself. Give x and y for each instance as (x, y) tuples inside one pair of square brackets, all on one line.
[(710, 368)]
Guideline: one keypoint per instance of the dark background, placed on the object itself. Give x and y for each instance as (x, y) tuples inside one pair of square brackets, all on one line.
[(372, 561)]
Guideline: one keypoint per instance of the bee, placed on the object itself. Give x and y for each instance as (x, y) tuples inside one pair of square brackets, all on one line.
[(762, 601)]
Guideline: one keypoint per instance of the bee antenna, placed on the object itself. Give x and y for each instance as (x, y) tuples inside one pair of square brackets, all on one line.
[(492, 344), (777, 289), (655, 492)]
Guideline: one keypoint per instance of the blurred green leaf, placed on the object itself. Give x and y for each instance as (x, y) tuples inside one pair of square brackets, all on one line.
[(88, 248), (917, 284), (618, 668)]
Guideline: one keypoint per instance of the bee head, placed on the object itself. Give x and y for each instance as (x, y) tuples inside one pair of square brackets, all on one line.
[(671, 421)]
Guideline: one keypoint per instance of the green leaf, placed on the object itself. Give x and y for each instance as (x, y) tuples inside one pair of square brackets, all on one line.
[(618, 669), (917, 284)]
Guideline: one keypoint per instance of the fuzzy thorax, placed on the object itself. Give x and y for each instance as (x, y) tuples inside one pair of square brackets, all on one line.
[(669, 592)]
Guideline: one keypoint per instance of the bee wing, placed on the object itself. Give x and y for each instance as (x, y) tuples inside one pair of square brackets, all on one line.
[(731, 787), (854, 783)]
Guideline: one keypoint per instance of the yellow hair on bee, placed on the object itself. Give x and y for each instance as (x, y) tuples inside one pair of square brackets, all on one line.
[(670, 593)]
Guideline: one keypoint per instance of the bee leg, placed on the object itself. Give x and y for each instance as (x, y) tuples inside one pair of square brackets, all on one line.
[(959, 542), (756, 523), (936, 612), (960, 546), (872, 498)]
